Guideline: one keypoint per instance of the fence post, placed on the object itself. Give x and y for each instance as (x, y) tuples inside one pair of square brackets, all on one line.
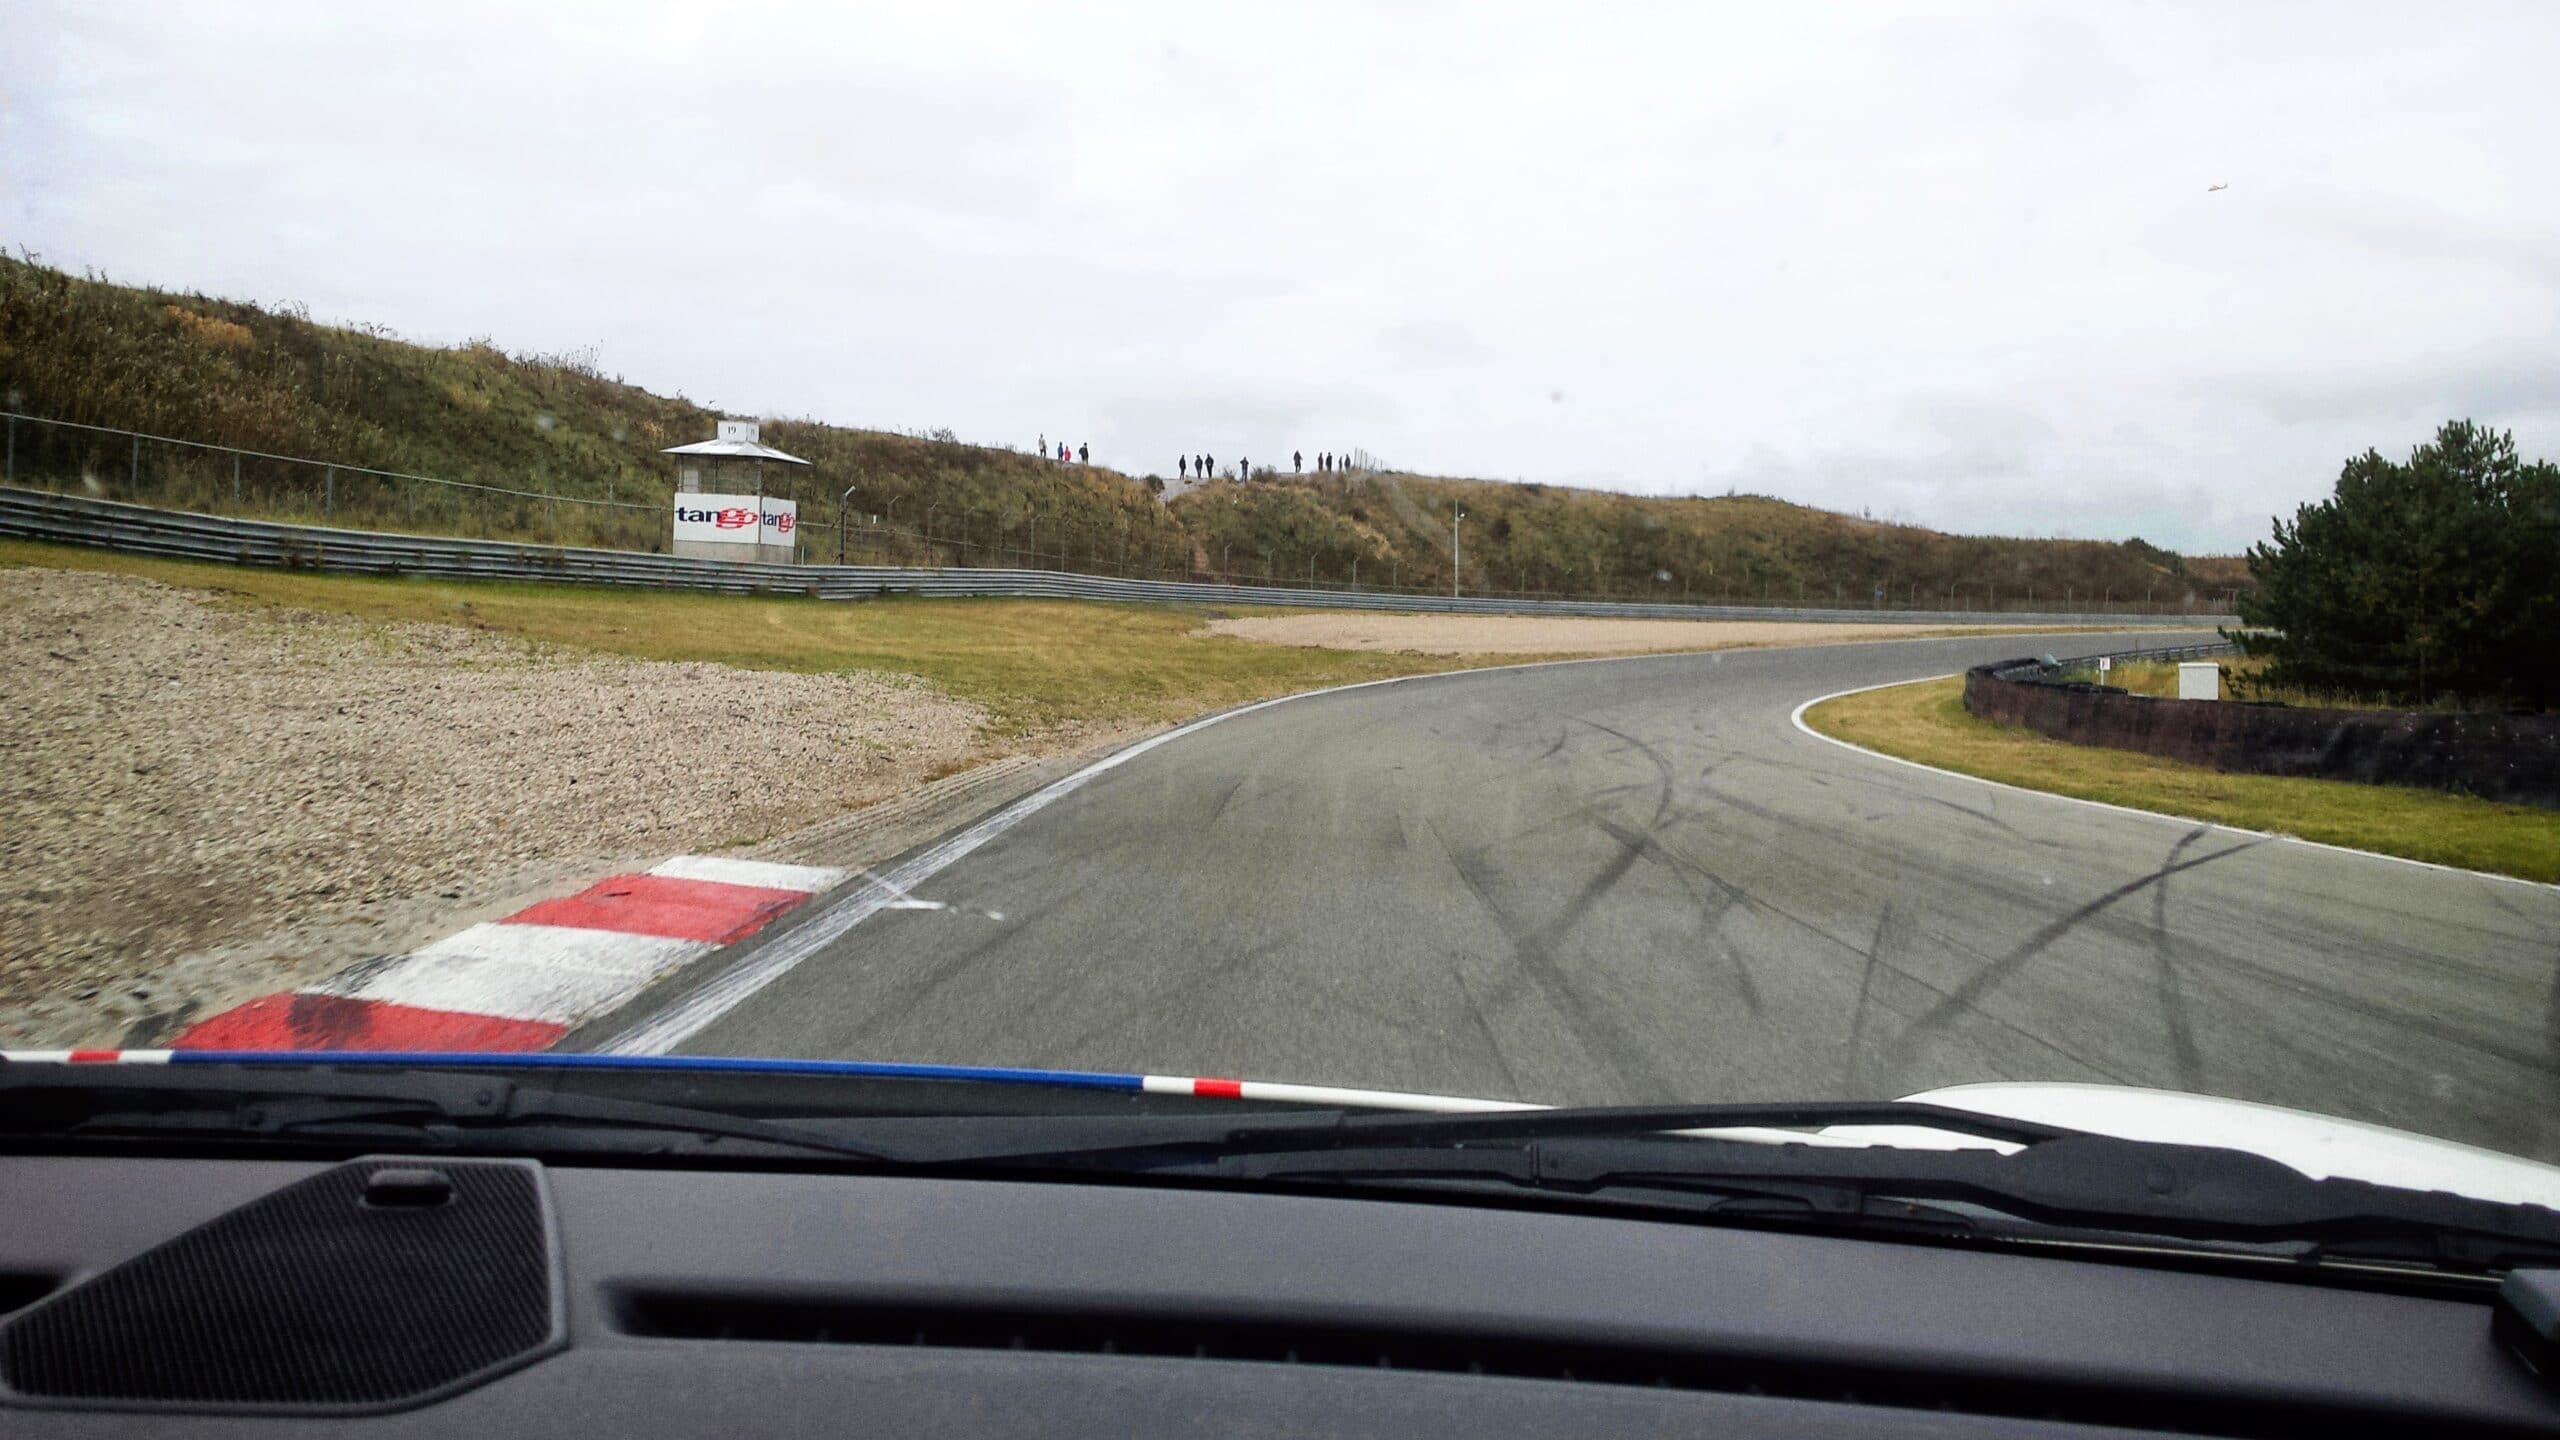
[(328, 491), (235, 479), (133, 485), (10, 475)]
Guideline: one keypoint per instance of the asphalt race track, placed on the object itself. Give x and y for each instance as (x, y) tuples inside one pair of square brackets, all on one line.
[(1636, 880)]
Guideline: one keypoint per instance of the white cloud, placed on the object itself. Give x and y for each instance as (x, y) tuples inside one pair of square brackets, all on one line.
[(1952, 262)]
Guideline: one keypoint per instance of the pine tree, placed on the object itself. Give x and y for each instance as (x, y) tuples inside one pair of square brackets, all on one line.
[(2437, 577)]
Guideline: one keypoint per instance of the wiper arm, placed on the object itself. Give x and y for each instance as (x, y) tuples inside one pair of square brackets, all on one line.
[(55, 1099), (460, 1110), (437, 1117), (2055, 1176), (2087, 1181)]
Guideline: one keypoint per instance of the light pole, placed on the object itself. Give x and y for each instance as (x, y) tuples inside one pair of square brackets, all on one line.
[(841, 502), (1456, 514)]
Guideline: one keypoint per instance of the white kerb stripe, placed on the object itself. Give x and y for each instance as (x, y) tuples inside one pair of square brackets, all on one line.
[(522, 972), (515, 989), (555, 945), (763, 874)]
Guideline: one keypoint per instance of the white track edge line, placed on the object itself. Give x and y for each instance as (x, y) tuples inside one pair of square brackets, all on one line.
[(681, 1021), (689, 1016), (1797, 718)]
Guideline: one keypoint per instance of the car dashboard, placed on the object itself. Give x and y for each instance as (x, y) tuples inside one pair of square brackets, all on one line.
[(477, 1297)]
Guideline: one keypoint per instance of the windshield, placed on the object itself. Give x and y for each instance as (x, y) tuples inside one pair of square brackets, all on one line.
[(1365, 560)]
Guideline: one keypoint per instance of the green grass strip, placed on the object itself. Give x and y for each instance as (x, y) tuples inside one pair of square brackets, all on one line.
[(1926, 721)]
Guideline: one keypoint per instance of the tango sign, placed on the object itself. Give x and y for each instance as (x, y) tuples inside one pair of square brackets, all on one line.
[(734, 519)]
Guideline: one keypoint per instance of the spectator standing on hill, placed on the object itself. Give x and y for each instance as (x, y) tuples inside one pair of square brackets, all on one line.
[(1181, 467), (1044, 447), (1084, 454), (1293, 462), (1244, 470), (1324, 462), (1208, 466)]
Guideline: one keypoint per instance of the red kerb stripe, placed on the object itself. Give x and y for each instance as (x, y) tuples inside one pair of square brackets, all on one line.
[(1221, 1089), (665, 905), (334, 1022)]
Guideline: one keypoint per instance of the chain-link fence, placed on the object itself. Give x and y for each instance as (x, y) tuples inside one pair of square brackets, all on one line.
[(110, 464)]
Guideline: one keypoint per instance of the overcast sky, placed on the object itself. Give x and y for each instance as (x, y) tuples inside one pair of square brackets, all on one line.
[(1952, 264)]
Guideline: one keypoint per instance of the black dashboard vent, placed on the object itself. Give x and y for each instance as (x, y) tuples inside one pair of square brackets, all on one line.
[(375, 1284)]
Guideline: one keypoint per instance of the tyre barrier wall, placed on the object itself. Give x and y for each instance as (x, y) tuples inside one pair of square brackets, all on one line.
[(113, 524), (2509, 758)]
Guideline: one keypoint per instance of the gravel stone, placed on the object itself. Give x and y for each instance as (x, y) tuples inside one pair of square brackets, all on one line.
[(178, 773)]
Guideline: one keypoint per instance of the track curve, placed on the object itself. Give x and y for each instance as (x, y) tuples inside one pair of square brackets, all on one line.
[(1635, 880)]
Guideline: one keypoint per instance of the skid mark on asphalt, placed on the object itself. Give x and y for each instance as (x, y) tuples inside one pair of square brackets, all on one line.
[(1852, 1081), (1511, 1087), (2226, 966), (1711, 909), (1666, 780), (1226, 797), (2173, 1000), (1981, 817), (1888, 969), (1967, 995), (1599, 1039)]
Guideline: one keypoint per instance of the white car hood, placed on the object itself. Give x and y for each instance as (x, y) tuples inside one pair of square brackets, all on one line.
[(2320, 1146)]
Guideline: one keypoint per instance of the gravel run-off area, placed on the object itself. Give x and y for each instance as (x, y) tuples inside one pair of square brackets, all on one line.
[(1551, 635), (200, 803)]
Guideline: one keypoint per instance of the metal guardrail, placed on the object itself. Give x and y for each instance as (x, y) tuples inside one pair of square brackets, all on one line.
[(2037, 672), (112, 524)]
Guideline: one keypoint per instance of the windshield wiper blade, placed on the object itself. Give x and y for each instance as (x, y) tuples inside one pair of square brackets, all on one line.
[(41, 1098), (1369, 1129), (442, 1109), (2092, 1181), (2052, 1176), (449, 1110)]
